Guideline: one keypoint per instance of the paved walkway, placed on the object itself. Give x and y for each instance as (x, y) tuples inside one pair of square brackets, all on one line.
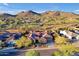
[(42, 48), (43, 51)]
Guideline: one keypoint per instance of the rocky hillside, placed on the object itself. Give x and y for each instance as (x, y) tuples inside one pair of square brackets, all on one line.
[(31, 19)]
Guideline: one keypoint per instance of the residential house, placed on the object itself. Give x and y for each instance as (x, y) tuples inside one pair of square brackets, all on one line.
[(68, 34)]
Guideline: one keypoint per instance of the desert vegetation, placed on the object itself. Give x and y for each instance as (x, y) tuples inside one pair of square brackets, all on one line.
[(37, 30)]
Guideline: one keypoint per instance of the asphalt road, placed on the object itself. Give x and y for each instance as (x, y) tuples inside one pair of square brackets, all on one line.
[(20, 52)]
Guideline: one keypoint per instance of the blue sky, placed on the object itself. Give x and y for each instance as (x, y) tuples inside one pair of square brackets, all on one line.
[(14, 8)]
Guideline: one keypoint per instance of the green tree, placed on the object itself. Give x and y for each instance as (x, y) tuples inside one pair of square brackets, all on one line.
[(32, 53), (2, 45), (2, 22), (60, 40), (23, 41), (66, 50), (57, 53)]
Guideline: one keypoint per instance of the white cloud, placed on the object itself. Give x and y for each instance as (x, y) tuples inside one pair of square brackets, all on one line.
[(6, 4), (76, 10), (12, 11)]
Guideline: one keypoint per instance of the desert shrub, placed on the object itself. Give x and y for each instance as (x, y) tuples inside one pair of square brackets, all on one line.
[(2, 45), (18, 43), (32, 53), (27, 43), (65, 46), (68, 49), (60, 40), (57, 53), (23, 41), (1, 22)]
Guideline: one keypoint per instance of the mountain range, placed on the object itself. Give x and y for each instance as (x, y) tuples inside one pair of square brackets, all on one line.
[(45, 19), (47, 13)]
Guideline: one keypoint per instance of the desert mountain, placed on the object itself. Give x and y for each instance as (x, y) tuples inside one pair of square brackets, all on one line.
[(6, 15), (45, 14), (31, 19), (26, 14), (59, 13)]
